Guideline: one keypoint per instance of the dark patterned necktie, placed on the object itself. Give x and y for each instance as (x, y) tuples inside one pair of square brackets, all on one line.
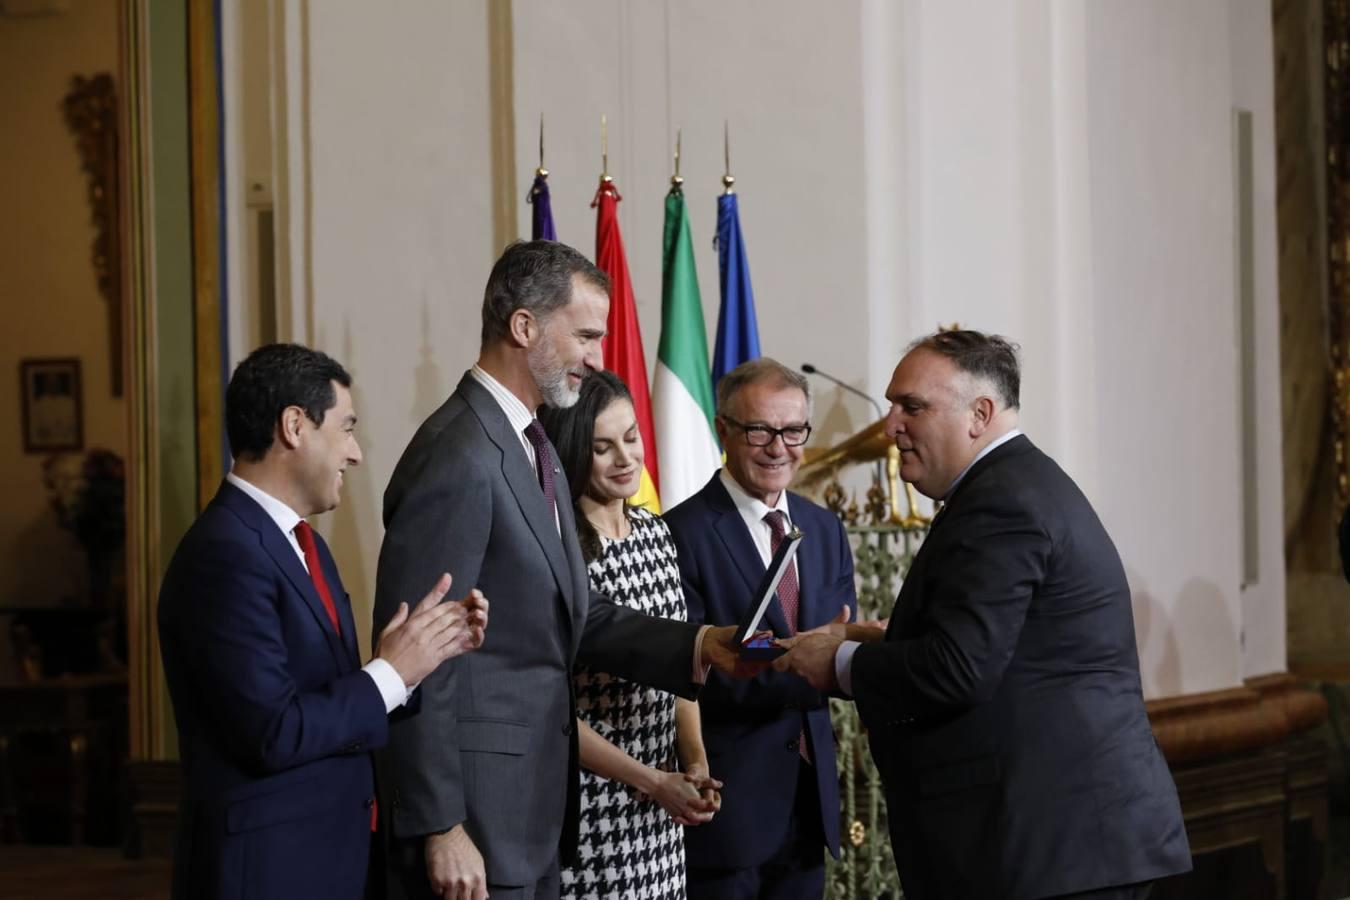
[(789, 591), (304, 536), (543, 461), (789, 595)]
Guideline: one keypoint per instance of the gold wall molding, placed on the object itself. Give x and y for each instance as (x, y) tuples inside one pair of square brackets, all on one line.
[(502, 112), (204, 137), (145, 693)]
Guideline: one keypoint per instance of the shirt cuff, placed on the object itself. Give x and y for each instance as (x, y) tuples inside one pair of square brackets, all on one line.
[(388, 682), (700, 671), (843, 666)]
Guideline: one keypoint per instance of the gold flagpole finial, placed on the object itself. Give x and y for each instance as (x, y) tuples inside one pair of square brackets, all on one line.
[(541, 171), (676, 180), (727, 180), (604, 150)]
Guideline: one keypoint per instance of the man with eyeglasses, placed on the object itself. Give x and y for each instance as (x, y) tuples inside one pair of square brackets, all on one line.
[(769, 738)]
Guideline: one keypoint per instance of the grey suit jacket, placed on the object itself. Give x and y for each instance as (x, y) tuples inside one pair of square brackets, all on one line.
[(489, 739)]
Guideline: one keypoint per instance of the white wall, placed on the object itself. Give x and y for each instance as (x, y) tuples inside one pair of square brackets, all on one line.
[(1060, 172), (792, 96)]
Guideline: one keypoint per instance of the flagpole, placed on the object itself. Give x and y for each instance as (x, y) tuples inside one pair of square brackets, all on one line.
[(604, 151), (675, 180), (541, 171), (541, 227), (727, 179)]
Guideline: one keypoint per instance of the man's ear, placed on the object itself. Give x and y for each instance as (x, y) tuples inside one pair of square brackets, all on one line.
[(291, 427), (982, 415), (723, 433), (523, 328)]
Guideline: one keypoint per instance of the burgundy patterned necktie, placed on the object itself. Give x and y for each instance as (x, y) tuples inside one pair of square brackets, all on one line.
[(543, 461), (789, 592), (789, 595)]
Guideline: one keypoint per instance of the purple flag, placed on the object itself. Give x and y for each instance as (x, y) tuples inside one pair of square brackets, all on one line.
[(543, 229)]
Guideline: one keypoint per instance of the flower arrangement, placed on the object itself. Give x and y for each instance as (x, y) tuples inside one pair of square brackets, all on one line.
[(88, 495)]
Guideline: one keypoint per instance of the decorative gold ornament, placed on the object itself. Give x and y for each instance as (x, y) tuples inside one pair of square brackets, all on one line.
[(857, 833), (91, 113)]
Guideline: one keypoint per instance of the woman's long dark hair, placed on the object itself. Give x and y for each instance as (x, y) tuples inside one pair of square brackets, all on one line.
[(572, 432)]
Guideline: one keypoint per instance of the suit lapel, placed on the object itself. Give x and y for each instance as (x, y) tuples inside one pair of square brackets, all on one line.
[(343, 603), (910, 600), (741, 549), (524, 485), (283, 555)]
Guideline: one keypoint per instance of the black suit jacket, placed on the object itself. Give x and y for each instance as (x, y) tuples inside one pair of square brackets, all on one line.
[(492, 744), (1004, 706)]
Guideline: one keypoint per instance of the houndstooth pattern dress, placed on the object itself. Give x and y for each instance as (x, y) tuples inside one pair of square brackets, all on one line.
[(628, 846)]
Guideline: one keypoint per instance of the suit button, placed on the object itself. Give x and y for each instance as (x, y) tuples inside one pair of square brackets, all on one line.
[(370, 801), (568, 728), (792, 746)]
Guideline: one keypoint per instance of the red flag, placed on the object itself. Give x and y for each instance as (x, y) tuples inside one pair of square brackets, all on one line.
[(623, 346)]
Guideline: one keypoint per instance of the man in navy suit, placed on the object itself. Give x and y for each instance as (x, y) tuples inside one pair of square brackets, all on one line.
[(276, 717), (1003, 704), (769, 738)]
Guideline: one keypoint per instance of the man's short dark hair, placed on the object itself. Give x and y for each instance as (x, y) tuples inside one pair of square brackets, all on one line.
[(988, 357), (535, 276), (270, 379)]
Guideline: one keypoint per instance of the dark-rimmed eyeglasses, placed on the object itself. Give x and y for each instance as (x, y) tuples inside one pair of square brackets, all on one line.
[(759, 435)]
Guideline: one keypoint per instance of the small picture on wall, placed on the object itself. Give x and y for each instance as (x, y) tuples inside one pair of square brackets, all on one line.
[(52, 414)]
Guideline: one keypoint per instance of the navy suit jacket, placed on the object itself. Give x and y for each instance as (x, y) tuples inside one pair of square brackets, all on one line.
[(1004, 707), (275, 719), (751, 728)]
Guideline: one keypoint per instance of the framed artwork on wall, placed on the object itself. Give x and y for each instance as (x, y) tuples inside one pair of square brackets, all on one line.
[(53, 415)]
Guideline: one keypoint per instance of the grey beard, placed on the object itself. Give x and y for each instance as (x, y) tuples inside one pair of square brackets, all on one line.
[(550, 376)]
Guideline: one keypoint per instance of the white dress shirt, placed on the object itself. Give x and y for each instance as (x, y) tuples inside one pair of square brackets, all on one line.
[(387, 680), (843, 657)]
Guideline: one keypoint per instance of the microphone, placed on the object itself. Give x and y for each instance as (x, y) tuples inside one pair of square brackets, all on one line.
[(812, 370)]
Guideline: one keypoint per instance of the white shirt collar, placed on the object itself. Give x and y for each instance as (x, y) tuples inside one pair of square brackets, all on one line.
[(752, 509), (989, 448), (285, 517), (517, 413)]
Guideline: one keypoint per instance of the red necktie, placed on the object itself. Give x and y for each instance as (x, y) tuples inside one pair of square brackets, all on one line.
[(305, 536), (789, 593)]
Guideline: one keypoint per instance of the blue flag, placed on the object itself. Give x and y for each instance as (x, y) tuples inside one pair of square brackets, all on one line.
[(737, 330)]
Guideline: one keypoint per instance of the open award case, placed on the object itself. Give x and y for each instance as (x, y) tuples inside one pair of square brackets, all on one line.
[(760, 648)]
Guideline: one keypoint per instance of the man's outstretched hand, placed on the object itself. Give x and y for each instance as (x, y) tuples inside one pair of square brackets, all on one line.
[(721, 651), (812, 657)]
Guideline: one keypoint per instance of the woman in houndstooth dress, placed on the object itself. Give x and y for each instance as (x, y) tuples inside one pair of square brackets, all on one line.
[(645, 772)]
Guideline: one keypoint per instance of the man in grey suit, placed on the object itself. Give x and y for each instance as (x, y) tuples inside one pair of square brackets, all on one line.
[(479, 783)]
